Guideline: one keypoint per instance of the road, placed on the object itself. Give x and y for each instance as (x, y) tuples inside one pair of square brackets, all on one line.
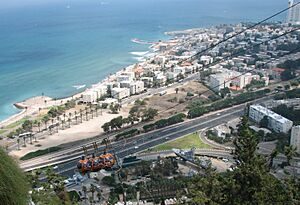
[(67, 159)]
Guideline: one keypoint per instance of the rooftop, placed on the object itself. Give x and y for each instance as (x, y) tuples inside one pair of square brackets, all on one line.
[(270, 113)]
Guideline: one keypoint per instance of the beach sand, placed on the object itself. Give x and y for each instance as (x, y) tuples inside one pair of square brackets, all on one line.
[(85, 130)]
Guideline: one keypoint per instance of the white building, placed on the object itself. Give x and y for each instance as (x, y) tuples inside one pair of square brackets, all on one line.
[(276, 122), (136, 87), (126, 76), (295, 137), (293, 16), (89, 96), (120, 93), (218, 81)]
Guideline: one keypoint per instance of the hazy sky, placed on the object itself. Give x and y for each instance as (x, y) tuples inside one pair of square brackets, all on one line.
[(21, 3)]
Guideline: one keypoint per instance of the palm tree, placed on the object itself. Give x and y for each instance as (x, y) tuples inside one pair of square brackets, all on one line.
[(86, 113), (272, 156), (69, 121), (63, 124), (84, 190), (99, 196), (92, 190), (64, 116), (24, 141), (75, 113), (18, 141), (80, 111), (58, 119), (96, 109), (70, 117), (176, 90), (39, 126), (289, 152)]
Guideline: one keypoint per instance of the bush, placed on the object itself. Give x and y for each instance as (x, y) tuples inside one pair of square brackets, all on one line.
[(109, 181), (127, 134), (31, 155), (148, 127)]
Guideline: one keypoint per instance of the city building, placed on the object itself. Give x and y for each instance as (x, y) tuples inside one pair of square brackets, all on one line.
[(275, 122), (295, 137), (89, 96), (136, 87), (218, 82), (293, 16), (120, 93)]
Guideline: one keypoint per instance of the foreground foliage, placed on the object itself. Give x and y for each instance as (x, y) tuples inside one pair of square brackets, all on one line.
[(13, 184), (251, 183)]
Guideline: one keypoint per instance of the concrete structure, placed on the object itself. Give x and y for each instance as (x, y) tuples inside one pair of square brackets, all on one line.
[(276, 122), (218, 82), (89, 96), (120, 93), (293, 16), (136, 87), (295, 137)]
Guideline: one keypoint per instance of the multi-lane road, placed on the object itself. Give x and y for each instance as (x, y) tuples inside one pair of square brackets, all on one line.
[(67, 159)]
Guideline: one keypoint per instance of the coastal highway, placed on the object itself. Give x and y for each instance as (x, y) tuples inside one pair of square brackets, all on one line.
[(67, 160)]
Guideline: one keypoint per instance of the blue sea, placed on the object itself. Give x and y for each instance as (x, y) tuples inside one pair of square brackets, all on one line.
[(51, 45)]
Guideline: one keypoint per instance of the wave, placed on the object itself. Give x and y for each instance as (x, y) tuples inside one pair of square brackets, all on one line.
[(79, 86), (139, 53), (140, 59)]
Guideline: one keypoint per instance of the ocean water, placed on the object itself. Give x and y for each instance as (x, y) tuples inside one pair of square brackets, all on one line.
[(50, 47)]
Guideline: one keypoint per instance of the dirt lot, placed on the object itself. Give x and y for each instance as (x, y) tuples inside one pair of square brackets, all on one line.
[(172, 102)]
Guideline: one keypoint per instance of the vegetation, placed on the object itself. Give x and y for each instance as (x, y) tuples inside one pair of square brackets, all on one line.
[(198, 111), (127, 134), (13, 184), (295, 93), (51, 189), (220, 140), (165, 122), (250, 183), (40, 153), (186, 142), (289, 113)]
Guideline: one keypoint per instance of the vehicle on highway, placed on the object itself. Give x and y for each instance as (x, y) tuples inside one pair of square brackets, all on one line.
[(136, 147)]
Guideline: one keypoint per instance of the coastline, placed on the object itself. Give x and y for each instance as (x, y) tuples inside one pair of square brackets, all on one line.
[(27, 109)]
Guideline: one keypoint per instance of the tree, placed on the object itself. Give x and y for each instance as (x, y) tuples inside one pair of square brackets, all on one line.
[(106, 127), (289, 152), (27, 125), (149, 114), (250, 183), (264, 122), (92, 190), (288, 74), (13, 184), (176, 90), (272, 156)]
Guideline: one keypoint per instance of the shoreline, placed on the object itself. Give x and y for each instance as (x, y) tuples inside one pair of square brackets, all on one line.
[(27, 110)]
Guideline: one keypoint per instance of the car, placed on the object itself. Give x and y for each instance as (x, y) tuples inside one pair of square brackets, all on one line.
[(136, 147), (225, 160), (167, 138)]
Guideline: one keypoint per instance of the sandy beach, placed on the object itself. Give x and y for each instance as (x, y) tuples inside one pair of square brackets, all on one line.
[(85, 130)]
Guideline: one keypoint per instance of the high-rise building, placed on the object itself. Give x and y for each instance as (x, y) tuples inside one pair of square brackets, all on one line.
[(293, 16), (295, 137)]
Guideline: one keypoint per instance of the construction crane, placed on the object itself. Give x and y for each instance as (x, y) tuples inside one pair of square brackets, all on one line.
[(95, 163)]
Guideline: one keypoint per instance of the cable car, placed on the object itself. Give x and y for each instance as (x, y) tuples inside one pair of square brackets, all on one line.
[(96, 163)]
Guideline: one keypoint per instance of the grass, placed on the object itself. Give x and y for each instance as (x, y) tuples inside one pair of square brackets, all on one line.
[(17, 123), (38, 153), (2, 131), (186, 142)]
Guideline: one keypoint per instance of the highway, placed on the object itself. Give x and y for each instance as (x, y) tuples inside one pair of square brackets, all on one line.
[(67, 159)]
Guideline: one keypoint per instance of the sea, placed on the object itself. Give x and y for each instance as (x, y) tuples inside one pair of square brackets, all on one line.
[(57, 47)]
